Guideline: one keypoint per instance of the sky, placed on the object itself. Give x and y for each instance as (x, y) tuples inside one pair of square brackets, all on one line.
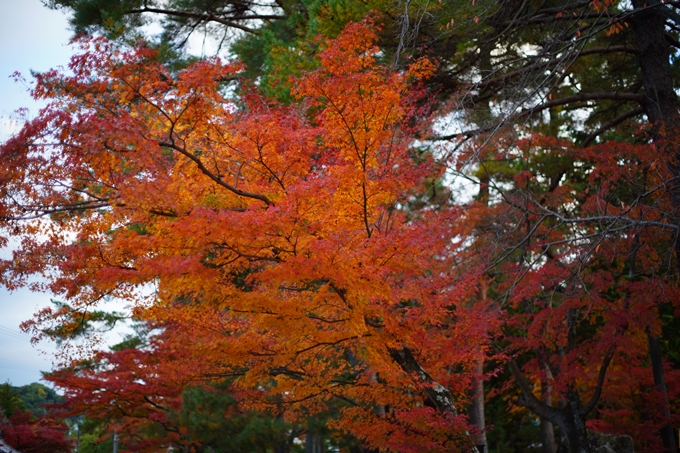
[(35, 38), (32, 37)]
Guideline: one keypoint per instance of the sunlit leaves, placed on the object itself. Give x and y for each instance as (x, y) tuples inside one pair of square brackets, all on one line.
[(268, 242)]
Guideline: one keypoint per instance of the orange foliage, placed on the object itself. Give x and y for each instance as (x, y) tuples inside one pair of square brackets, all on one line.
[(277, 239), (281, 249)]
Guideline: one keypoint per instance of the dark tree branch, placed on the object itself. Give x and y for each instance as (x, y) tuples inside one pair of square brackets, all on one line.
[(608, 49), (437, 394), (672, 41), (562, 9), (584, 97), (528, 399), (214, 177), (600, 382), (610, 124), (581, 97), (209, 17)]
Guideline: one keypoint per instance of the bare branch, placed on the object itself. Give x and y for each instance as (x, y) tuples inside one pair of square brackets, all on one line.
[(208, 17), (214, 177), (436, 393), (600, 382), (581, 97), (613, 123)]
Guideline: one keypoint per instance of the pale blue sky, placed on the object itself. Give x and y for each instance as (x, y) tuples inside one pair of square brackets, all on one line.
[(35, 38), (32, 37)]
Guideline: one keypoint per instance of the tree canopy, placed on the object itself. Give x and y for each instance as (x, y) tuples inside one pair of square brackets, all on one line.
[(28, 421), (384, 215)]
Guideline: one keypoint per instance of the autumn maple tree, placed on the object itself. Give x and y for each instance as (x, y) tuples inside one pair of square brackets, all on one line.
[(310, 252), (277, 238), (28, 432), (581, 267), (128, 390)]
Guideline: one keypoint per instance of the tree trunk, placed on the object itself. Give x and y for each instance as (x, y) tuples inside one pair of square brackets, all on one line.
[(577, 434), (438, 396), (547, 437), (571, 422), (314, 443), (571, 418), (477, 406), (477, 397), (282, 447), (660, 102), (667, 434), (547, 429), (661, 105)]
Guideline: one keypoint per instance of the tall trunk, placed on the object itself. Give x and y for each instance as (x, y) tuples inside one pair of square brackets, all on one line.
[(547, 430), (571, 418), (477, 406), (547, 433), (282, 447), (661, 105), (667, 434), (576, 424), (576, 434), (661, 102), (314, 443), (571, 422), (477, 397)]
